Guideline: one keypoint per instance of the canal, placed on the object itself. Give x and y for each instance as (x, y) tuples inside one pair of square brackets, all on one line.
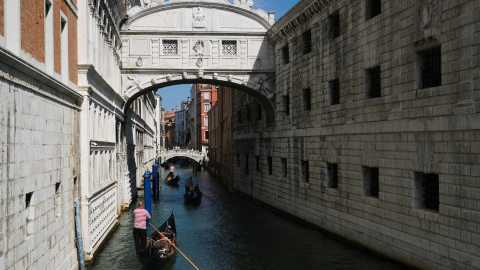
[(229, 232)]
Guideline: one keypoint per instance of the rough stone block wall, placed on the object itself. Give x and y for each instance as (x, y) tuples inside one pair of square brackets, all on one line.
[(406, 133), (38, 168)]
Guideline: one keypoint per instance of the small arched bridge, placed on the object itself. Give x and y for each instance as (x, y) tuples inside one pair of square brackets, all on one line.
[(194, 155)]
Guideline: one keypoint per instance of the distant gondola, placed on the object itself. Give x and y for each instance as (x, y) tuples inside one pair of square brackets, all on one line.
[(159, 250), (193, 196), (172, 180)]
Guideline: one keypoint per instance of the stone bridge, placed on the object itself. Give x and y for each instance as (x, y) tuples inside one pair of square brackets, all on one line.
[(190, 41), (194, 155)]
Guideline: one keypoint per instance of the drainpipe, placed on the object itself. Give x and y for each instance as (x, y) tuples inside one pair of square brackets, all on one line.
[(79, 234)]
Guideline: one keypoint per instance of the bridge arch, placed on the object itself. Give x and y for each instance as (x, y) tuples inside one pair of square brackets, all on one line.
[(198, 41)]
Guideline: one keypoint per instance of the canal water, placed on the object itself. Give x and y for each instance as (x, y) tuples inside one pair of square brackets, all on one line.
[(229, 232)]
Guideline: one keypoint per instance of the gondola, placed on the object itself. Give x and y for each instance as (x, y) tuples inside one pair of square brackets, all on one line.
[(193, 196), (172, 180), (159, 250)]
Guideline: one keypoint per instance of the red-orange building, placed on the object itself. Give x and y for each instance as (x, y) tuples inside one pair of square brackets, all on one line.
[(169, 129), (206, 98), (221, 135)]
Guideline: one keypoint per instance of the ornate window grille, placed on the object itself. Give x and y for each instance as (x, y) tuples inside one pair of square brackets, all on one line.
[(229, 47), (170, 47)]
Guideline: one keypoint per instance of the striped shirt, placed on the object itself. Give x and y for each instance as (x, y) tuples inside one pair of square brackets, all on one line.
[(141, 215)]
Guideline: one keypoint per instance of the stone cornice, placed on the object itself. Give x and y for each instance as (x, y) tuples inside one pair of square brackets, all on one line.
[(301, 13), (18, 63), (252, 14)]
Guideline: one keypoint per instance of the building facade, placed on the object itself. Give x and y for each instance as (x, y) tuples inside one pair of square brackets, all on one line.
[(39, 134), (206, 95), (376, 130)]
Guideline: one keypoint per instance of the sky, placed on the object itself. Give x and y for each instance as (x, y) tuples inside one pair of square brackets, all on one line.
[(173, 96)]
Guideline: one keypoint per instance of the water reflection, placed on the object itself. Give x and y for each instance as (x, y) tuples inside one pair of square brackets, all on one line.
[(229, 232)]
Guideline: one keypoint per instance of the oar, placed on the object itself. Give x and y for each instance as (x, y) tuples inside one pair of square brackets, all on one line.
[(173, 245)]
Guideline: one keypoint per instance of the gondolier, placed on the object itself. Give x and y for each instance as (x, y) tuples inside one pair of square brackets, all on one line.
[(140, 228)]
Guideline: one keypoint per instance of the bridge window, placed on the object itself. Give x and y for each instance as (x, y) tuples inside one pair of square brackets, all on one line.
[(426, 191), (370, 181), (170, 47), (430, 67), (374, 82), (334, 20), (229, 47), (334, 91), (286, 54), (307, 99), (373, 8), (307, 41), (332, 175)]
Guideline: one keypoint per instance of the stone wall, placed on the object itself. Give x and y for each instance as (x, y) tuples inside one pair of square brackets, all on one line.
[(367, 143), (39, 169)]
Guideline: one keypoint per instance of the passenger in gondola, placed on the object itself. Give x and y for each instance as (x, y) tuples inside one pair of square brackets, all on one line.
[(140, 228), (188, 184)]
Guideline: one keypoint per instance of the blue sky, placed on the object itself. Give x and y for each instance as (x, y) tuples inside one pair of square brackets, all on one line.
[(173, 95)]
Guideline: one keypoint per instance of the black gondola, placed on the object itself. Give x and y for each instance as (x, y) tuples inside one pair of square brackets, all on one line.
[(172, 180), (159, 250), (193, 196)]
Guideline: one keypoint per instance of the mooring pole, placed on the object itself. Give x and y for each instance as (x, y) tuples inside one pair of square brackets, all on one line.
[(147, 191)]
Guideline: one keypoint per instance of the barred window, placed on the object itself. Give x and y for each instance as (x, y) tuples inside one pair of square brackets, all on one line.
[(426, 191), (334, 91), (332, 175), (374, 82), (170, 47), (373, 8), (286, 54), (307, 41), (431, 67), (229, 47), (370, 181), (334, 20)]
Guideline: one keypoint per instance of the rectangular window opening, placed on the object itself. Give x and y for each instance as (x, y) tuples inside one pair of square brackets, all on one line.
[(305, 173), (332, 175), (334, 20), (307, 41), (257, 163), (334, 92), (373, 8), (259, 112), (270, 165), (246, 164), (307, 100), (370, 181), (286, 104), (426, 191), (431, 67), (284, 167), (286, 54), (374, 82)]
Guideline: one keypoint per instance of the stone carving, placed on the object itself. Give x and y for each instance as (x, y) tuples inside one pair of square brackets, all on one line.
[(153, 81), (258, 62), (199, 14), (200, 74), (263, 85), (168, 77), (199, 62), (199, 45), (135, 79), (428, 13), (184, 75), (230, 77), (139, 62), (215, 76)]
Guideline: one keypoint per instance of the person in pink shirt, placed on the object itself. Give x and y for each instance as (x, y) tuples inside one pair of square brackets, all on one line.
[(140, 228)]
